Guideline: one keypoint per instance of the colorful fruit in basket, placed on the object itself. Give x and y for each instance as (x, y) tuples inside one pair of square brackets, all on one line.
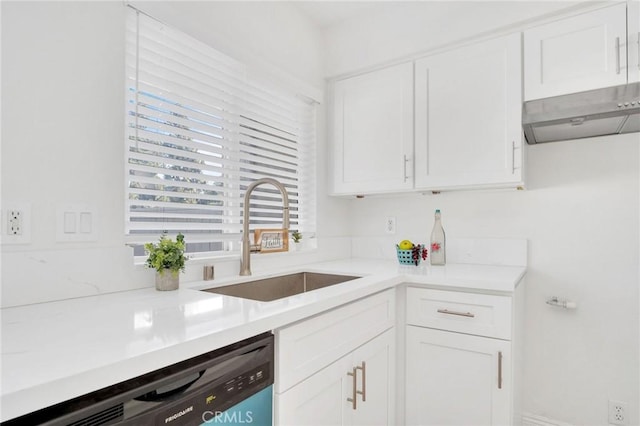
[(405, 245), (418, 252)]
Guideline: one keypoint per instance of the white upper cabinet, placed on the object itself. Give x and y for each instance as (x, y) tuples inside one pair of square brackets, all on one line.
[(633, 37), (583, 52), (468, 115), (373, 131)]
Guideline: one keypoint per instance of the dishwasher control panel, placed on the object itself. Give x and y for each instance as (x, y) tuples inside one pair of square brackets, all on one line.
[(209, 404)]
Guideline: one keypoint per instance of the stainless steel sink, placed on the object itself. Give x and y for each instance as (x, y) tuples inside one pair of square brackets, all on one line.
[(268, 289)]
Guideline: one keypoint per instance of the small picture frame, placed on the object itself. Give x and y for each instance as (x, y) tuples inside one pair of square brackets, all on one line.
[(272, 240)]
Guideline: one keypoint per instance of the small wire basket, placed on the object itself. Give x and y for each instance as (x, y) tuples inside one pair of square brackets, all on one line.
[(405, 257)]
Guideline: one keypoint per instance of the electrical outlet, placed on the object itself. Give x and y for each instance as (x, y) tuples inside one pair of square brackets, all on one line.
[(617, 412), (390, 225), (14, 222)]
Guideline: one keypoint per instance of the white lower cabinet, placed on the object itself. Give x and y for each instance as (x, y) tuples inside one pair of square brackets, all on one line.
[(319, 400), (338, 367), (357, 389), (463, 357), (457, 379), (459, 352), (376, 362)]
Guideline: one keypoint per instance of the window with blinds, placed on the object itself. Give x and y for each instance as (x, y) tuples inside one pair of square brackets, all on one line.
[(199, 130)]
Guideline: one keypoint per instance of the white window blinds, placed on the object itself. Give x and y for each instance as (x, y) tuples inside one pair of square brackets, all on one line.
[(199, 131)]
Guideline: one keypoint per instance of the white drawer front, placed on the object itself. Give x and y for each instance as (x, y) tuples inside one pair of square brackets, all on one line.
[(479, 314), (312, 344)]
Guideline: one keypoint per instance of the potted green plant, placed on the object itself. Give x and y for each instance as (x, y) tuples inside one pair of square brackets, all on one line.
[(296, 236), (167, 258)]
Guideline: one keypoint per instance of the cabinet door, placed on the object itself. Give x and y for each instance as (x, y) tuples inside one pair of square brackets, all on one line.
[(319, 400), (633, 30), (326, 398), (373, 131), (376, 379), (469, 116), (584, 52), (457, 379)]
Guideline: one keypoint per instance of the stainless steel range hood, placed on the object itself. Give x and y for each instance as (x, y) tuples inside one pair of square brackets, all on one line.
[(608, 111)]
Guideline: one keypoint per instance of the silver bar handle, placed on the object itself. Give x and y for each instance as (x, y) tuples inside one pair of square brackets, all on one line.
[(500, 370), (617, 55), (460, 314), (406, 160), (363, 392), (354, 391), (513, 157), (638, 50)]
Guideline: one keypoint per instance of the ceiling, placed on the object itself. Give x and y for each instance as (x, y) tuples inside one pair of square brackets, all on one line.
[(325, 13), (328, 13)]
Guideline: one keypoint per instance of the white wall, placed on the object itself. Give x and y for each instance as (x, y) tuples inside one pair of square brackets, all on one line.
[(411, 27), (63, 129), (266, 35), (579, 213)]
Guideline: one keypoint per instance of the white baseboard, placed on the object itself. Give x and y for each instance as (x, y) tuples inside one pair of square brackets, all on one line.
[(529, 419)]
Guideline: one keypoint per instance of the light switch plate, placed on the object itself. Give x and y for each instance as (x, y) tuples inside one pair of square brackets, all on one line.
[(75, 222)]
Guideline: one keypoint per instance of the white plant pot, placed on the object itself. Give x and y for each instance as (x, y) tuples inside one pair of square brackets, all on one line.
[(167, 280)]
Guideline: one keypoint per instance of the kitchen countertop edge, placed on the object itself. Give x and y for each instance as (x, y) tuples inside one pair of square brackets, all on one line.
[(376, 277)]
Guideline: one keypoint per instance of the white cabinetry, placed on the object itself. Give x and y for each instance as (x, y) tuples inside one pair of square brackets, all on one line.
[(461, 358), (373, 131), (468, 116), (583, 52), (467, 121), (453, 379), (338, 368), (354, 390), (633, 40)]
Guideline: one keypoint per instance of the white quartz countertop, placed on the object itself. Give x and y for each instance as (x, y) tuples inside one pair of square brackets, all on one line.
[(52, 352)]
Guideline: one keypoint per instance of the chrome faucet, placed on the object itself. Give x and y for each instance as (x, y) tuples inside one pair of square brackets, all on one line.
[(245, 266)]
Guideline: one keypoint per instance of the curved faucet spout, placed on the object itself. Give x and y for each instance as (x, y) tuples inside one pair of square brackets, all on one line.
[(245, 266)]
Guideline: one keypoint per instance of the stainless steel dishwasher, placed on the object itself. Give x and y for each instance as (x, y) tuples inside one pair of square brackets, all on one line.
[(228, 386)]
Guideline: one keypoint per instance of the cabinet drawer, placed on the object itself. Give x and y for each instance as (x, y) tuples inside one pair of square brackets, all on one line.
[(310, 345), (479, 314)]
